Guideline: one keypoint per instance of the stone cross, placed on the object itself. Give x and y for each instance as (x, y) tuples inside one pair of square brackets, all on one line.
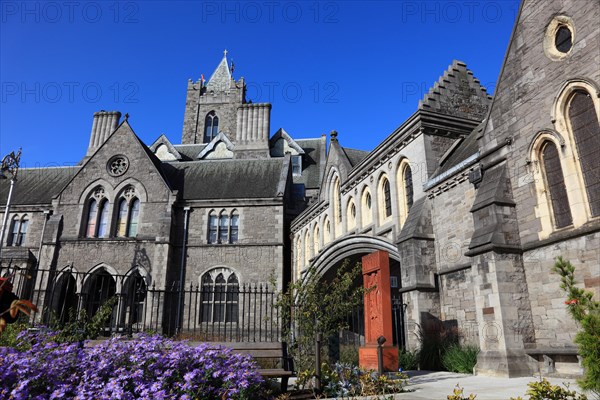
[(378, 312)]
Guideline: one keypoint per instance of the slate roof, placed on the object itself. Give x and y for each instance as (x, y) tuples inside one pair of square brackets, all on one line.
[(465, 149), (37, 185), (457, 93), (355, 156), (226, 179), (189, 151), (311, 176)]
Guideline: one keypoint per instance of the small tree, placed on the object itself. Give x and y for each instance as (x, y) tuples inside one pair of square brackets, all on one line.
[(319, 306), (586, 311)]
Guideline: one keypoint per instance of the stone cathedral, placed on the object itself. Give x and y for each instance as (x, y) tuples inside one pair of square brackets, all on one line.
[(473, 197)]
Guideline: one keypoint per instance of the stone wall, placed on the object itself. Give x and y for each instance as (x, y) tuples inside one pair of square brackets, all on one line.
[(553, 325)]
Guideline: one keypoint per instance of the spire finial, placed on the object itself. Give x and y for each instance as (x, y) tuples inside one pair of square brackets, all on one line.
[(225, 53)]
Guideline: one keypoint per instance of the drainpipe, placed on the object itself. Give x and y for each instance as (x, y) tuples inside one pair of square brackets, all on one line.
[(186, 216)]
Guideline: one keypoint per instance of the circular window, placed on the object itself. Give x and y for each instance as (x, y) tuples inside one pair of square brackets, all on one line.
[(559, 38), (563, 39), (117, 165)]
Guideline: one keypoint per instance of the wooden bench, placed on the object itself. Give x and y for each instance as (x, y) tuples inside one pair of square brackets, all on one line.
[(272, 358), (549, 356)]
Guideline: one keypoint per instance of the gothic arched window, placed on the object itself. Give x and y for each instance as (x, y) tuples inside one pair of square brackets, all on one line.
[(384, 199), (366, 207), (91, 220), (128, 214), (220, 296), (18, 231), (555, 184), (211, 126), (103, 218), (99, 288), (212, 227), (96, 223), (134, 296), (586, 131), (405, 190), (223, 229), (408, 186)]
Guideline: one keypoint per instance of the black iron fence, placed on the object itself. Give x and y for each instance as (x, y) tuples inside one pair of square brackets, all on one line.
[(355, 334), (217, 312)]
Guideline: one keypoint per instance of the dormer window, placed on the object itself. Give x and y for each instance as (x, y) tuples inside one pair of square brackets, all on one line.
[(297, 165), (211, 127)]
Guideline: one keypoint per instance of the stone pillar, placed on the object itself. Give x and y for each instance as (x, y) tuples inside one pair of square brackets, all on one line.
[(504, 316), (378, 312)]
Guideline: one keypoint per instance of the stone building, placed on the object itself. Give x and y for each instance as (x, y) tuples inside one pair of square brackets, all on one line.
[(213, 211), (474, 197)]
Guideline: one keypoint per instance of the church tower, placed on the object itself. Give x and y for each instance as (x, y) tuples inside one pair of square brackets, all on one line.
[(219, 106)]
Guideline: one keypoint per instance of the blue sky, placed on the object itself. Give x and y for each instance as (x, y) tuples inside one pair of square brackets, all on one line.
[(357, 67)]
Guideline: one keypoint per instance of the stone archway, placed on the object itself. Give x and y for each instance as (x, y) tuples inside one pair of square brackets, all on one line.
[(353, 248)]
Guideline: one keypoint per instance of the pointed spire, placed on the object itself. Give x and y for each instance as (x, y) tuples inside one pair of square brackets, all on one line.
[(221, 78)]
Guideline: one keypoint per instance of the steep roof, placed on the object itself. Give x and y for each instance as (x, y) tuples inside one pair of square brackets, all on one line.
[(311, 174), (221, 78), (458, 93), (355, 156), (37, 185), (463, 150), (228, 179)]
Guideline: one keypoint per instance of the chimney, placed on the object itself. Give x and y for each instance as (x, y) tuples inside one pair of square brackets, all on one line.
[(105, 123)]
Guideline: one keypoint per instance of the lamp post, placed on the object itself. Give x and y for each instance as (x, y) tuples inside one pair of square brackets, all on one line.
[(10, 164)]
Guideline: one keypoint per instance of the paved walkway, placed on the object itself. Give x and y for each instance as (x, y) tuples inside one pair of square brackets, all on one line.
[(438, 385), (426, 385)]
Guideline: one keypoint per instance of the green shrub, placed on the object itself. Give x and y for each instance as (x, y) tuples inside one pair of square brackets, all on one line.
[(457, 358), (544, 390), (8, 338), (349, 355), (318, 307), (408, 360), (586, 312)]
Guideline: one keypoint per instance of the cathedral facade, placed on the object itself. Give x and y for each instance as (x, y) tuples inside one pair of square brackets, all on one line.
[(472, 196)]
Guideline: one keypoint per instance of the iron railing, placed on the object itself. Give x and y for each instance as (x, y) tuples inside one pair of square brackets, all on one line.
[(233, 313)]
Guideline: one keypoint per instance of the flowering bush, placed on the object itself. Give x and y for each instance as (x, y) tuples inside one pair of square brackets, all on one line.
[(148, 367), (349, 380)]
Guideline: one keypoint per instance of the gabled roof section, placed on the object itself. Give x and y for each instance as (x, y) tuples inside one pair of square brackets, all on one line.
[(125, 129), (189, 152), (457, 93), (355, 156), (170, 152), (460, 151), (313, 162), (221, 78), (212, 147), (282, 134), (37, 185)]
